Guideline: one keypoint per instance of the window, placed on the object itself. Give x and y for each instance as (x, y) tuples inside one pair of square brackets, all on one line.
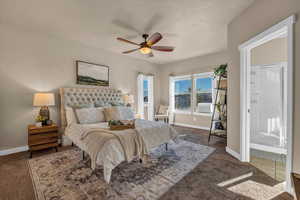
[(183, 94), (145, 90), (203, 92), (192, 93)]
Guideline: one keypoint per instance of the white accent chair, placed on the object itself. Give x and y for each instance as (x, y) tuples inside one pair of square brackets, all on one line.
[(162, 113)]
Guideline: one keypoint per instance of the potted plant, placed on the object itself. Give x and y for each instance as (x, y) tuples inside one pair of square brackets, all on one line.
[(40, 121), (221, 71)]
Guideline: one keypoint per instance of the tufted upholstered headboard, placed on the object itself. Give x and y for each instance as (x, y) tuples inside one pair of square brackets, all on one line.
[(79, 96)]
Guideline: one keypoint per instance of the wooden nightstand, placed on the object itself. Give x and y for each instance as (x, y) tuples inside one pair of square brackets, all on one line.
[(42, 137)]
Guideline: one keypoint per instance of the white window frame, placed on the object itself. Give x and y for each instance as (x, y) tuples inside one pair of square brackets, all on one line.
[(182, 78), (145, 78), (193, 78)]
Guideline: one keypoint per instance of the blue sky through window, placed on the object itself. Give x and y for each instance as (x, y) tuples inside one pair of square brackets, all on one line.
[(203, 84), (183, 86), (145, 86)]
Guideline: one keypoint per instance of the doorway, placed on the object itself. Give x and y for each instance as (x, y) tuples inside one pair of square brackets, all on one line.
[(145, 97), (267, 104), (268, 139)]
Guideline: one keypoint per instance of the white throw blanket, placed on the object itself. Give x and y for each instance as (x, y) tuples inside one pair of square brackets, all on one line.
[(154, 133), (135, 142), (95, 138)]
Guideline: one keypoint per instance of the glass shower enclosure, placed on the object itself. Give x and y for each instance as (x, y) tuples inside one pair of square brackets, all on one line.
[(267, 121)]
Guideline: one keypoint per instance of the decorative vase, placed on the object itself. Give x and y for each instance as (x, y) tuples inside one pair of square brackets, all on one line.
[(44, 123)]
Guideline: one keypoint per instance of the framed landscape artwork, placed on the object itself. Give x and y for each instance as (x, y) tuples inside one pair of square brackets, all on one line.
[(92, 74)]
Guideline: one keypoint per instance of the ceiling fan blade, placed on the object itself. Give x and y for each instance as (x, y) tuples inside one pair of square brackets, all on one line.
[(126, 26), (154, 39), (127, 41), (153, 21), (163, 48), (130, 51), (132, 37)]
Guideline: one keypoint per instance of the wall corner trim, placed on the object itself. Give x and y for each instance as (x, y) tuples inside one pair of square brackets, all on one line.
[(233, 153), (13, 150), (288, 21)]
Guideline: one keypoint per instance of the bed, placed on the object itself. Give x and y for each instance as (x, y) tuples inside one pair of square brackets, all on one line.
[(109, 148)]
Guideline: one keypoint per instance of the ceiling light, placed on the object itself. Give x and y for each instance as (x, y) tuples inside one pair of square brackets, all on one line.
[(145, 50)]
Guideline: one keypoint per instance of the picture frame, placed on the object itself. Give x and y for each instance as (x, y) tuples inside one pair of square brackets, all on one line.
[(88, 73)]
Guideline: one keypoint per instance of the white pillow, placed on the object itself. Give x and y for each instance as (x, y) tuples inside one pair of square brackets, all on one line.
[(100, 114), (70, 116), (90, 115)]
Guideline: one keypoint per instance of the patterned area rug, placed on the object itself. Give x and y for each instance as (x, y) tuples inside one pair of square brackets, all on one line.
[(65, 176)]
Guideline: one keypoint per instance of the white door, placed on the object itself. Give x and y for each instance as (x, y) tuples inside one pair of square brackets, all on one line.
[(150, 98), (145, 96)]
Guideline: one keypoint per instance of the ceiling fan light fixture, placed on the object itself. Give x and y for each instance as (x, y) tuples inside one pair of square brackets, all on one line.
[(146, 47), (145, 50)]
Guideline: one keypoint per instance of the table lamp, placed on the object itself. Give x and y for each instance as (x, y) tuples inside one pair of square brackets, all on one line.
[(128, 99), (44, 100)]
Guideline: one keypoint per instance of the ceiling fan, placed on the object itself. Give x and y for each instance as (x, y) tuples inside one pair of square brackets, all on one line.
[(146, 47)]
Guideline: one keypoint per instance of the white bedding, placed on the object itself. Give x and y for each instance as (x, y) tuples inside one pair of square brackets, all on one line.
[(112, 153)]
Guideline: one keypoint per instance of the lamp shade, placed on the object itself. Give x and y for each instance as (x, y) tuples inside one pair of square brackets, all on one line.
[(128, 98), (43, 99)]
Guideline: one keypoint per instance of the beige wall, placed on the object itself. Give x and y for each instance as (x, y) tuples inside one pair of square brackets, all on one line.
[(274, 51), (31, 62), (200, 121), (257, 18), (194, 65)]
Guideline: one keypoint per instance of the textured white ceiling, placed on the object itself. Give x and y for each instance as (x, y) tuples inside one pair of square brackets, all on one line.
[(194, 27)]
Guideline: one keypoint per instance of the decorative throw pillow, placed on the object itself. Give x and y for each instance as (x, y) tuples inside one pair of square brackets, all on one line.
[(118, 113), (126, 113), (88, 105), (117, 104), (79, 106), (90, 115), (112, 113), (101, 104)]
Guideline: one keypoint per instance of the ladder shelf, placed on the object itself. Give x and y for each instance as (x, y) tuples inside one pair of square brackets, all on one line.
[(221, 120)]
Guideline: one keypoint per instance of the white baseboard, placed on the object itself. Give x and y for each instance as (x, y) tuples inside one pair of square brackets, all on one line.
[(268, 148), (233, 153), (191, 126), (13, 150)]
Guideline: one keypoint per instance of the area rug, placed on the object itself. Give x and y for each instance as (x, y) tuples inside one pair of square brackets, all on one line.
[(65, 176)]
